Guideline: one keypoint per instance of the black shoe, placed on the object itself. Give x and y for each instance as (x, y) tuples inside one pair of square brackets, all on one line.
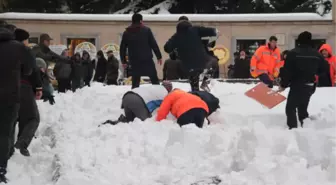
[(25, 152), (122, 118), (3, 178)]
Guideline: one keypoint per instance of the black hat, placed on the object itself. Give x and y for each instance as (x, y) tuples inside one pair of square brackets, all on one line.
[(44, 37), (109, 52), (21, 34), (305, 38)]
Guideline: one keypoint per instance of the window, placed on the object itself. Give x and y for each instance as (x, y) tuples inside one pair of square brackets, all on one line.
[(317, 43), (34, 40), (249, 45), (73, 42)]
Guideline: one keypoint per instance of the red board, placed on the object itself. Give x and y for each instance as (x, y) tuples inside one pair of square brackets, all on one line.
[(264, 95)]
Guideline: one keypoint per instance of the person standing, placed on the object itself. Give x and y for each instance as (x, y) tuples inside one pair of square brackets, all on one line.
[(139, 42), (242, 66), (15, 58), (112, 71), (101, 67), (266, 61), (31, 89), (301, 66), (190, 49), (62, 72), (88, 67), (327, 53)]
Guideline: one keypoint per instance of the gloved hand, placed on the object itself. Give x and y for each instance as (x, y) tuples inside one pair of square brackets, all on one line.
[(50, 99), (254, 74), (276, 74)]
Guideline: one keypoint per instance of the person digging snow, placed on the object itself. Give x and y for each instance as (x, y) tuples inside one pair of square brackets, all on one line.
[(186, 107), (140, 102)]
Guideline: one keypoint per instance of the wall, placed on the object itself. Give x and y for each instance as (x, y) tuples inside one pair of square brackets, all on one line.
[(106, 32)]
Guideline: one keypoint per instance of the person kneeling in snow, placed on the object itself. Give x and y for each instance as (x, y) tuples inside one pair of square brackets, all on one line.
[(140, 102), (186, 107)]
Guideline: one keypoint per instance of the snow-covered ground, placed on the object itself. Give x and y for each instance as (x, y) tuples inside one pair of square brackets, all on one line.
[(246, 144)]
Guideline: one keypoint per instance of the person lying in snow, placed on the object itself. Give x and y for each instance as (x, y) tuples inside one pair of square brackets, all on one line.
[(140, 102), (186, 107)]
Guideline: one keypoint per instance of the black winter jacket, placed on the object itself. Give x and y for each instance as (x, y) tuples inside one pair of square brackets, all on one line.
[(172, 70), (189, 46), (112, 68), (209, 99), (242, 68), (301, 67), (140, 43), (15, 58), (101, 67)]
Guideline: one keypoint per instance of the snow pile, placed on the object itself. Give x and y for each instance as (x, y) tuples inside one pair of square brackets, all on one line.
[(245, 144)]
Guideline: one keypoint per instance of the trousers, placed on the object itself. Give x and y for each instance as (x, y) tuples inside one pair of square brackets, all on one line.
[(8, 117), (266, 80), (196, 115), (297, 103)]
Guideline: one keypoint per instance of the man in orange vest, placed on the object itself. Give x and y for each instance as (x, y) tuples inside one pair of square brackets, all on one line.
[(266, 61), (327, 53)]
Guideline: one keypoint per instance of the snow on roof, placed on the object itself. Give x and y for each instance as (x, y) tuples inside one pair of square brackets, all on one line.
[(170, 17)]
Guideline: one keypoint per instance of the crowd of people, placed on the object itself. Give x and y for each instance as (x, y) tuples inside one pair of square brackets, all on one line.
[(24, 77)]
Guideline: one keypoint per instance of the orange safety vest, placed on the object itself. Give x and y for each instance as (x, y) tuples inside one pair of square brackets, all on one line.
[(266, 61)]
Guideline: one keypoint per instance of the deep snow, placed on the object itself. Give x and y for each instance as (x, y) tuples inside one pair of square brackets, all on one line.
[(246, 144)]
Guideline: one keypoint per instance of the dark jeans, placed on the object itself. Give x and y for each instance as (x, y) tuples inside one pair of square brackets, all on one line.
[(298, 99), (8, 116), (29, 117), (266, 80), (136, 80), (63, 85), (196, 115)]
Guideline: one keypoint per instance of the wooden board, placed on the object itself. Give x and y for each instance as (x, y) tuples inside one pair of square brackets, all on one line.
[(265, 96)]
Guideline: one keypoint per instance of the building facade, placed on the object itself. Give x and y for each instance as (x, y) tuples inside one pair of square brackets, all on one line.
[(235, 33)]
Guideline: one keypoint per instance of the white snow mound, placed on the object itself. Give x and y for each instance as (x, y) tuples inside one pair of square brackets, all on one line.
[(246, 143)]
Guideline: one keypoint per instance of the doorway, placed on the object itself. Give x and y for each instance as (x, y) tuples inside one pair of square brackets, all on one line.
[(73, 42)]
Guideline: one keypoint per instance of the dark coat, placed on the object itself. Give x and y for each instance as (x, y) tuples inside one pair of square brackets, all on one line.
[(34, 80), (101, 68), (213, 65), (172, 70), (189, 46), (88, 67), (211, 100), (302, 64), (44, 52), (62, 70), (139, 42), (16, 59), (242, 68), (112, 68), (77, 73)]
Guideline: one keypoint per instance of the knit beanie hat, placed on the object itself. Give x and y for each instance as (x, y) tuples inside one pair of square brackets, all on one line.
[(168, 85), (40, 63), (305, 38), (21, 34)]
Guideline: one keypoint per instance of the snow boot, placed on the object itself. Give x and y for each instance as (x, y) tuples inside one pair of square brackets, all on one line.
[(3, 178), (23, 149)]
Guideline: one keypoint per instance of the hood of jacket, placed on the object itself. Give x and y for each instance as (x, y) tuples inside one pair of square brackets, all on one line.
[(326, 47), (183, 26), (134, 27), (86, 53), (6, 35)]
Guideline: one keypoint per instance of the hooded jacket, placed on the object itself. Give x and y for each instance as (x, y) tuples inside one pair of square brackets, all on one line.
[(101, 67), (15, 58), (179, 102), (62, 70), (88, 66), (332, 62), (189, 46)]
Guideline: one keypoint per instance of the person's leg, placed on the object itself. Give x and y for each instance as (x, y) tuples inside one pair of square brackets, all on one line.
[(129, 114), (154, 78), (29, 119), (61, 85), (194, 80), (200, 115), (135, 107), (305, 96), (291, 106), (266, 80), (196, 116), (8, 116), (135, 81)]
